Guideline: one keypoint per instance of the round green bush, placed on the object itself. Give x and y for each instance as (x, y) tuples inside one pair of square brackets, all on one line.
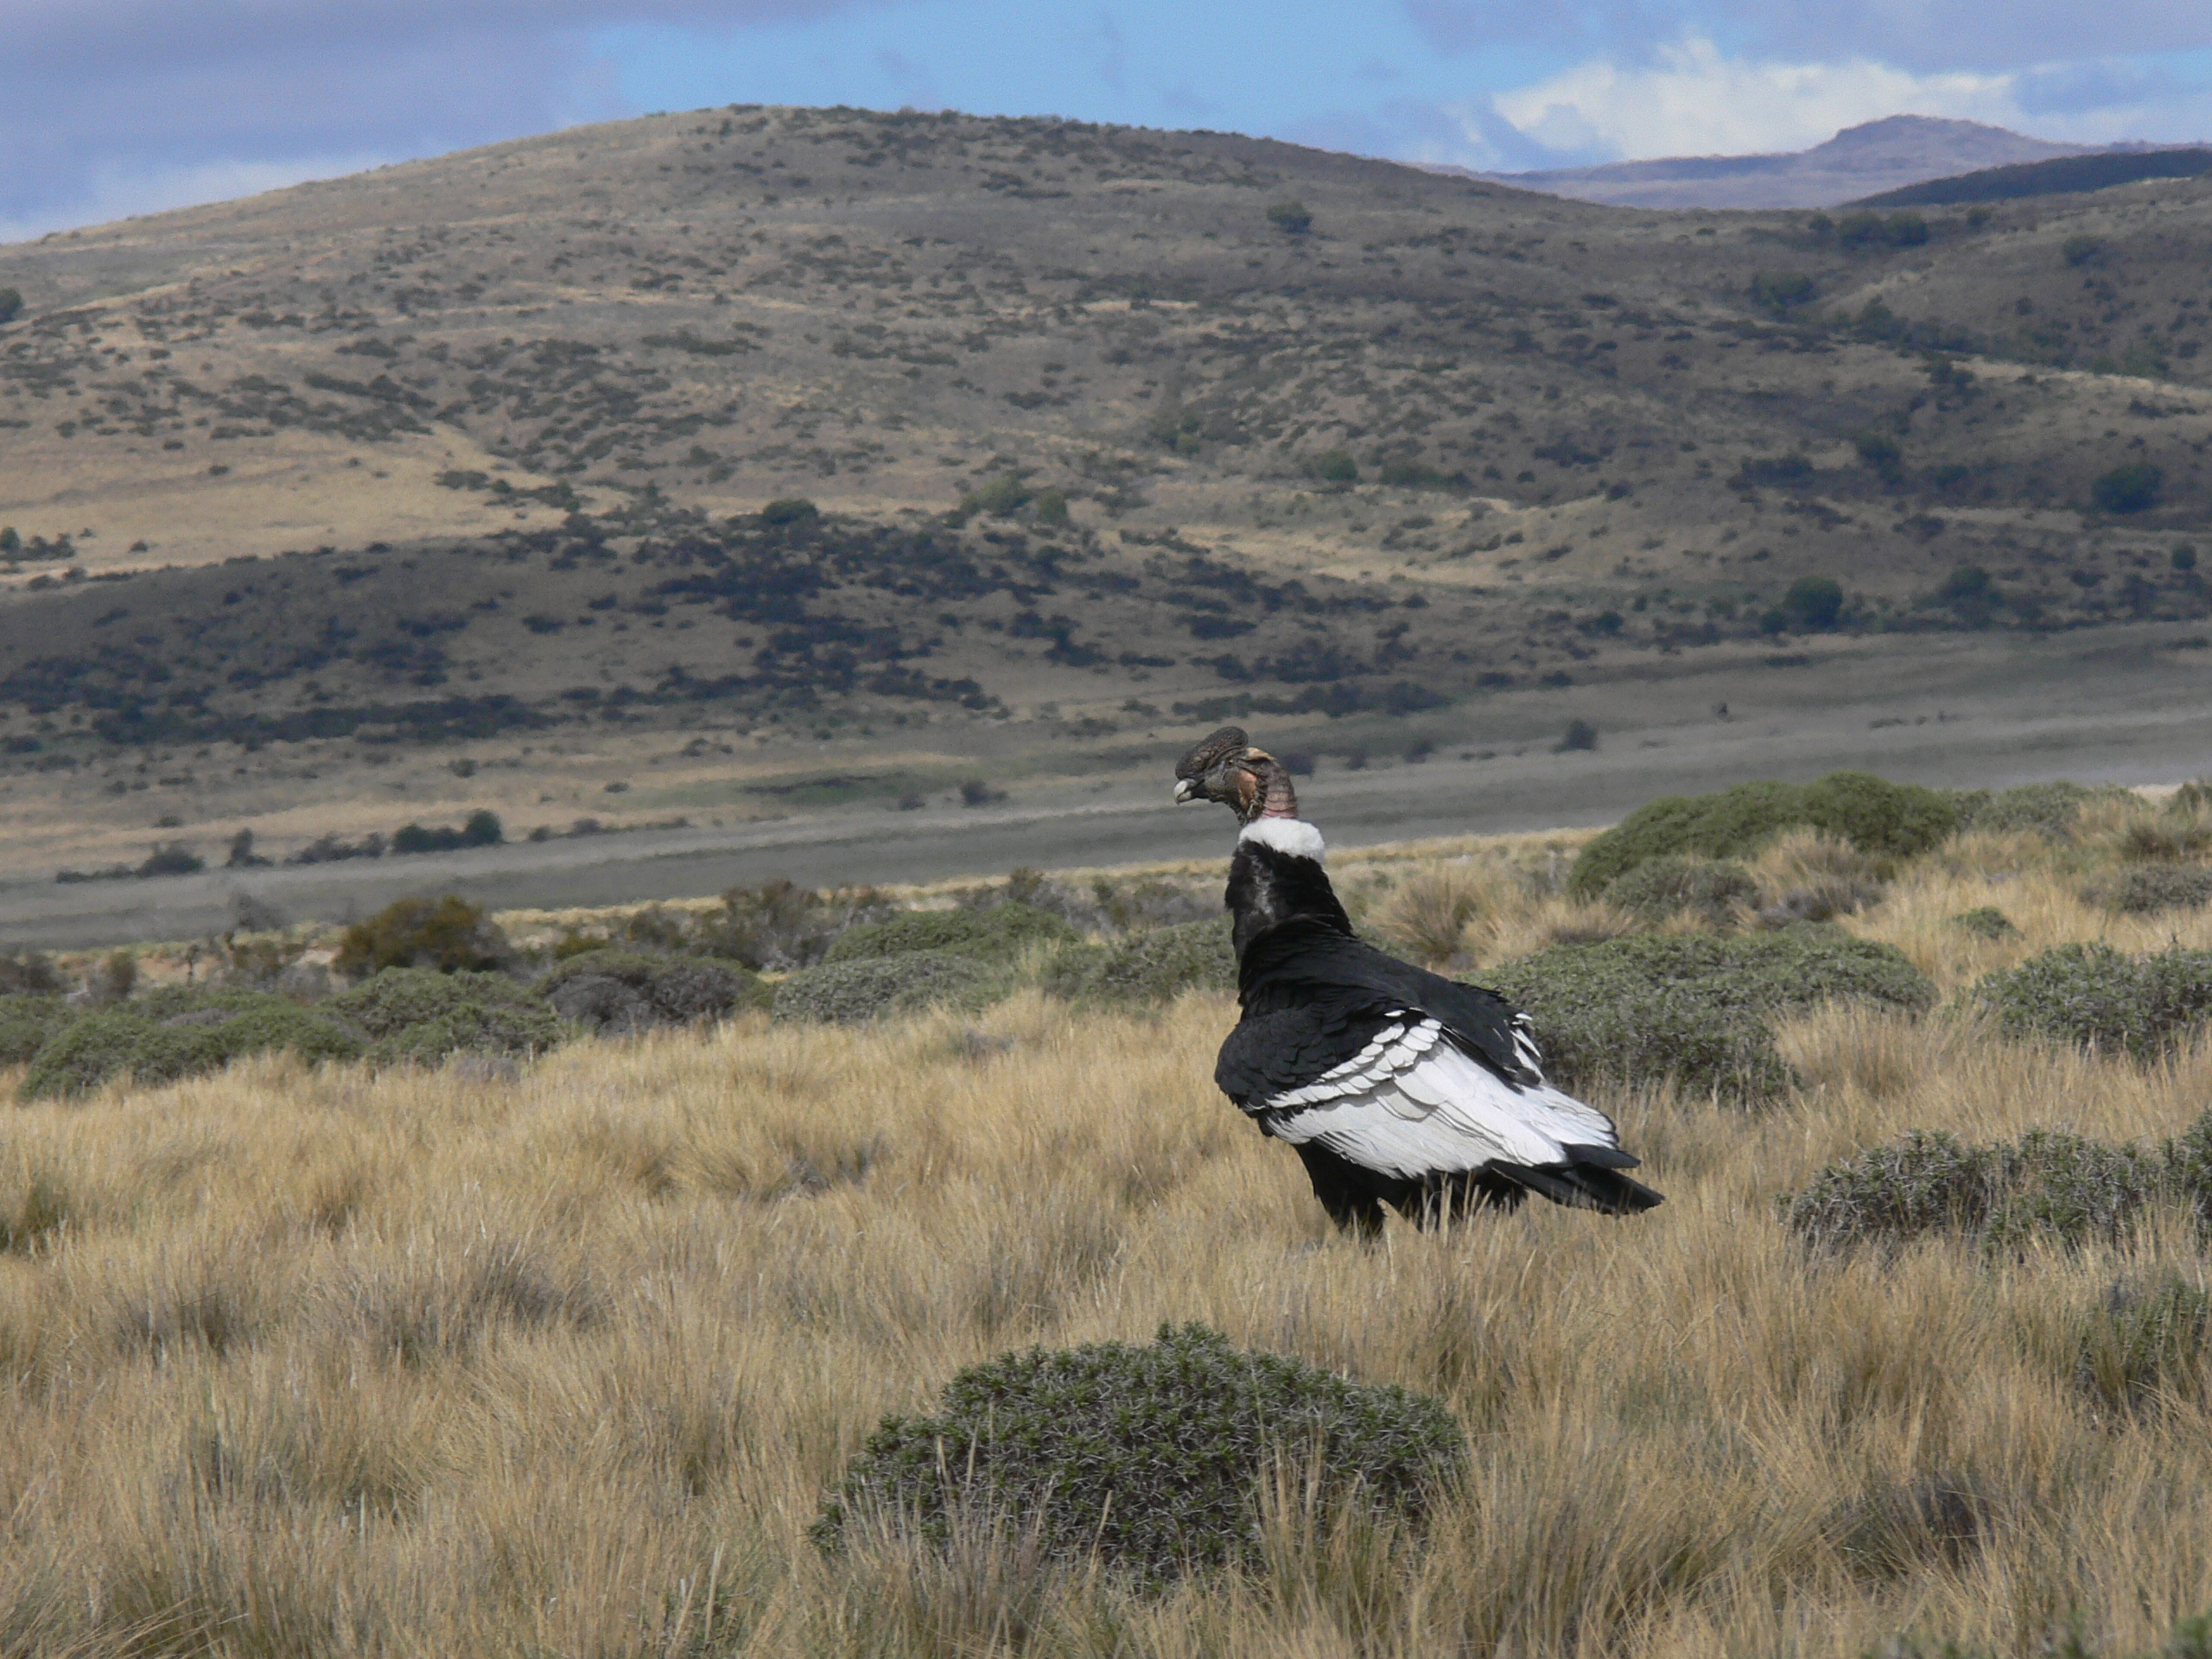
[(399, 997), (1661, 886), (28, 1022), (1153, 1457), (2046, 1185), (155, 1046), (1876, 816), (1985, 922), (497, 1028), (876, 988), (631, 990), (1698, 1010), (1155, 965), (1001, 931), (2048, 809), (2092, 995), (2150, 888)]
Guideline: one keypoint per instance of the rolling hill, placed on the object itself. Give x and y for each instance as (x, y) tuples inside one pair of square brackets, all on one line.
[(1078, 434)]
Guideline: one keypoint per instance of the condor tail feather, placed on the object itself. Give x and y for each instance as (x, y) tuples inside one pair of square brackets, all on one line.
[(1586, 1183)]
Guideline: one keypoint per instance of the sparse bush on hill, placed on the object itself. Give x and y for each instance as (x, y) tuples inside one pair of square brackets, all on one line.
[(790, 510), (1814, 604), (1290, 216), (1152, 1460), (1781, 291), (448, 934), (878, 987), (482, 828), (2129, 489), (619, 991), (2094, 996), (1698, 1010), (1876, 816), (1710, 888), (1154, 966), (24, 971), (11, 305), (1334, 466)]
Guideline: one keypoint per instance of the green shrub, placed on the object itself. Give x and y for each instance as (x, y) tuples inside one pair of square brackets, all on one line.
[(1876, 816), (1659, 886), (790, 510), (1985, 922), (2048, 1185), (1698, 1010), (2141, 1344), (496, 1028), (1814, 604), (400, 997), (1152, 966), (26, 1024), (2150, 888), (1290, 216), (875, 987), (2092, 995), (1001, 931), (156, 1043), (1781, 291), (2050, 810), (448, 934), (628, 991), (12, 304), (1334, 466), (2129, 489), (776, 926), (1152, 1458)]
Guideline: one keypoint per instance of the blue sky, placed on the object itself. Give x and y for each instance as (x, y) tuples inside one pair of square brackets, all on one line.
[(110, 107)]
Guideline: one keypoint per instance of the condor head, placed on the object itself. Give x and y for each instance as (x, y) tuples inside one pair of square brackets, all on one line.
[(1225, 767)]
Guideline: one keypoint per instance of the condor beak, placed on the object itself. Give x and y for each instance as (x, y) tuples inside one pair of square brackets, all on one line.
[(1186, 789)]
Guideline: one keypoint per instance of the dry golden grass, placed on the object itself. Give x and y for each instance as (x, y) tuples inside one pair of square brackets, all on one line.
[(561, 1363)]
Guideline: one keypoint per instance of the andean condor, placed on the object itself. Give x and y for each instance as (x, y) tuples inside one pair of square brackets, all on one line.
[(1397, 1085)]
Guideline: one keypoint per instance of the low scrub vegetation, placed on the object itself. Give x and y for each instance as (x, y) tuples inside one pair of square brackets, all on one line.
[(595, 1348), (1153, 1461)]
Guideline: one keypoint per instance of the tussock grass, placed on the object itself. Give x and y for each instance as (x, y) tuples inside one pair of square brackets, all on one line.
[(324, 1362)]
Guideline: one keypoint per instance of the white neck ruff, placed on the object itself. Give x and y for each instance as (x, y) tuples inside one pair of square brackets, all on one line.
[(1294, 836)]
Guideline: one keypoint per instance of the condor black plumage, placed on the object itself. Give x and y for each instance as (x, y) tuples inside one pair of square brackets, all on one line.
[(1395, 1086)]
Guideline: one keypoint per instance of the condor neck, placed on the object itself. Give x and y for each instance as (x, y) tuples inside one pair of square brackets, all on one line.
[(1276, 876)]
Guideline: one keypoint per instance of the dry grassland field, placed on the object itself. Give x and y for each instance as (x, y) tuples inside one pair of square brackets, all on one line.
[(561, 1356)]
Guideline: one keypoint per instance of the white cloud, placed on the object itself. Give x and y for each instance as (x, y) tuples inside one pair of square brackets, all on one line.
[(1692, 100)]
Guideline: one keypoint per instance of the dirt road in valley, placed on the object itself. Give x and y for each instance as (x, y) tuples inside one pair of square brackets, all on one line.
[(2131, 706)]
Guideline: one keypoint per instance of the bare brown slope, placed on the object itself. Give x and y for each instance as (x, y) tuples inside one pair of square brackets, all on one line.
[(534, 381)]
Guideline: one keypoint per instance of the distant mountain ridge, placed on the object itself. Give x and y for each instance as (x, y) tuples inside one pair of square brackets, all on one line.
[(1867, 160)]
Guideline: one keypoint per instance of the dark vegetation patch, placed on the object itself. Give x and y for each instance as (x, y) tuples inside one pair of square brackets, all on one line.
[(1149, 967), (1001, 932), (613, 992), (1696, 1009), (1712, 889), (876, 988), (2048, 1186), (1877, 816), (1152, 1459), (2094, 996)]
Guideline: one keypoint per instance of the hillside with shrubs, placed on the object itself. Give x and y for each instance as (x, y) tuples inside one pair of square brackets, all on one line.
[(877, 1271)]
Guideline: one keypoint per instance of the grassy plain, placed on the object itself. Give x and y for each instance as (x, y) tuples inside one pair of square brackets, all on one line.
[(562, 1359)]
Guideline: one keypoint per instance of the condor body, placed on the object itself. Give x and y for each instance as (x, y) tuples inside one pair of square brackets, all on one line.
[(1395, 1084)]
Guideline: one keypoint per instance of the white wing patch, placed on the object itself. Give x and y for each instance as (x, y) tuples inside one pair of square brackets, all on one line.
[(1412, 1102)]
